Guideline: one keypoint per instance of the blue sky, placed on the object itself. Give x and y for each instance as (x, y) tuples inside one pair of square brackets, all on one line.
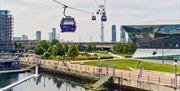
[(42, 15)]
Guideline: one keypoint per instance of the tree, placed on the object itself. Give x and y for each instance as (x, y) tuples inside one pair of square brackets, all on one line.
[(60, 50), (17, 45), (52, 50), (73, 51), (94, 46), (118, 48), (91, 47), (44, 44), (66, 47), (55, 42), (124, 48), (46, 55), (39, 51)]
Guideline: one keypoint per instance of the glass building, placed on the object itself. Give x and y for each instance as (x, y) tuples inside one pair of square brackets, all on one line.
[(154, 36), (113, 33), (155, 40), (123, 35), (38, 35)]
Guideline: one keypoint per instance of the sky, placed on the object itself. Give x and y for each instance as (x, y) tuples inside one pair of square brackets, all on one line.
[(42, 15)]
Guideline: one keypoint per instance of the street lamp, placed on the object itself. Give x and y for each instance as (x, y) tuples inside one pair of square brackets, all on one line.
[(99, 64), (66, 58), (99, 59), (175, 71)]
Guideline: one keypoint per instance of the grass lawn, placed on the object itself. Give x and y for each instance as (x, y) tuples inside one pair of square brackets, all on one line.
[(122, 64)]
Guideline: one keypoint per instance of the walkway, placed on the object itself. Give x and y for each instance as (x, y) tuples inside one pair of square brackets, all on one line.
[(151, 76), (17, 71)]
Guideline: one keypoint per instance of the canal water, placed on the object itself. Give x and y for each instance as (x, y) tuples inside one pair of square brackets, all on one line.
[(47, 82), (42, 83)]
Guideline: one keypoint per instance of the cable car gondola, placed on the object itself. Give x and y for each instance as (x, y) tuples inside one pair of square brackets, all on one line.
[(103, 18), (68, 24), (93, 18)]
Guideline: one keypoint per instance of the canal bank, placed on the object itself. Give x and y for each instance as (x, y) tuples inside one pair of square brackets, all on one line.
[(82, 77), (120, 78)]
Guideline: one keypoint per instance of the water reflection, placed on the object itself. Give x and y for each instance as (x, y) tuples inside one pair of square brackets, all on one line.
[(6, 79), (42, 83)]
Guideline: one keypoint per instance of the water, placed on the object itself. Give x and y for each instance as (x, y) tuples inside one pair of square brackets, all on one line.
[(47, 82), (43, 83)]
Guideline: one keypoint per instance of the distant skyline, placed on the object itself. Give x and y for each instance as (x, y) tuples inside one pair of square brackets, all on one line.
[(42, 15)]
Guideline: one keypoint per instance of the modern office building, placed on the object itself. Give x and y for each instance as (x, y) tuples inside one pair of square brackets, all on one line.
[(155, 41), (6, 30), (38, 35), (113, 33), (123, 35), (16, 38), (24, 37), (52, 35)]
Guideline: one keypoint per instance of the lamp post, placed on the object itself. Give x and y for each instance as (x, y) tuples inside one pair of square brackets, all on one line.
[(66, 58), (99, 64), (175, 71), (163, 53), (99, 59)]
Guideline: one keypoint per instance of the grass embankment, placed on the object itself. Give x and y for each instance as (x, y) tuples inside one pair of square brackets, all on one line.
[(124, 64)]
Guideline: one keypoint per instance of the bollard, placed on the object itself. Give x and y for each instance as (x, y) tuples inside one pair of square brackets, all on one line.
[(37, 70), (121, 74), (171, 81), (148, 78), (159, 80), (114, 74), (129, 75), (93, 70), (80, 68), (119, 81), (76, 67)]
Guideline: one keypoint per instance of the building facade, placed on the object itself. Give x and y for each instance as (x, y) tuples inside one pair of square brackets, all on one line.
[(113, 33), (6, 30), (123, 35), (28, 43), (160, 41), (16, 38), (38, 35), (52, 35), (24, 37)]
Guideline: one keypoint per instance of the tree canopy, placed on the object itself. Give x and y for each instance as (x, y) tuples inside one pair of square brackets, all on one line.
[(73, 51), (124, 47)]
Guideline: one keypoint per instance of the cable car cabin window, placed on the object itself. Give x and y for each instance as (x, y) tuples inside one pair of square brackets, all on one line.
[(67, 22)]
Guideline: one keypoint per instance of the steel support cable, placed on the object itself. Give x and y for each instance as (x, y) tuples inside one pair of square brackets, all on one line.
[(101, 2), (96, 2), (104, 3), (66, 6)]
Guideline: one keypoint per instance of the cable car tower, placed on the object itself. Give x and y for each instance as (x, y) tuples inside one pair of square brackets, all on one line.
[(102, 12)]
